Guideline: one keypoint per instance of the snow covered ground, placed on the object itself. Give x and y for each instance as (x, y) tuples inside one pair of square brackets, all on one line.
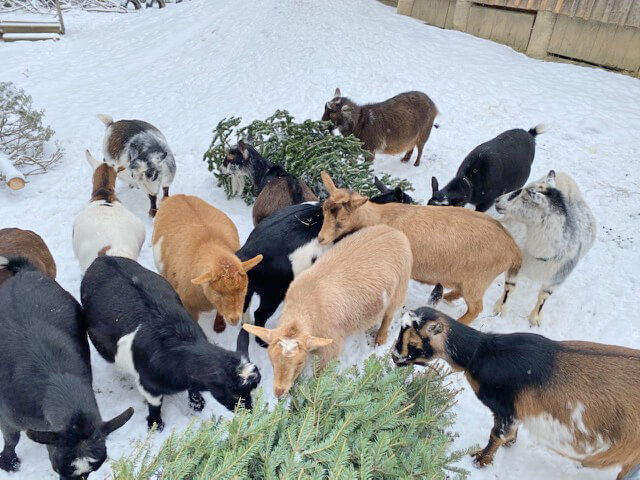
[(186, 67)]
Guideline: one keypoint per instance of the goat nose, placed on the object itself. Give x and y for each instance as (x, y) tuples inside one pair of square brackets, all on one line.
[(232, 319), (280, 392)]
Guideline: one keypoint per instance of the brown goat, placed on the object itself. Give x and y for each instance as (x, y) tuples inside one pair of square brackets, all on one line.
[(396, 125), (459, 248), (15, 242), (279, 193), (580, 398), (194, 247), (361, 281)]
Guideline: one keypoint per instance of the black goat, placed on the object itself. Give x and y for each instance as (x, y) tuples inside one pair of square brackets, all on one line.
[(389, 196), (46, 375), (491, 169), (275, 187), (288, 242), (136, 319)]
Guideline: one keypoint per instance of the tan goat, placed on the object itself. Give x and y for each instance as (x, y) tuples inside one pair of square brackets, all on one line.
[(194, 247), (15, 242), (361, 281), (459, 248)]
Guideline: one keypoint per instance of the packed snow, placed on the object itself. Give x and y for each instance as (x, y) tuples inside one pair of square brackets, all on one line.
[(185, 67)]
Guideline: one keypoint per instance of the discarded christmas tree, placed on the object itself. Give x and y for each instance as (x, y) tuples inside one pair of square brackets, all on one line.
[(303, 149), (379, 423)]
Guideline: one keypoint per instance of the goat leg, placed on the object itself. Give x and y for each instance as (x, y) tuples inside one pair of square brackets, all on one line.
[(9, 461), (196, 401), (155, 416), (501, 433), (535, 316), (153, 209)]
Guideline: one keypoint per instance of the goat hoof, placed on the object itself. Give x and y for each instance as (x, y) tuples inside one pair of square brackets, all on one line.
[(219, 324), (152, 212), (9, 463), (534, 321), (498, 310), (417, 164), (196, 401), (480, 459), (261, 343), (510, 443), (381, 339), (158, 423)]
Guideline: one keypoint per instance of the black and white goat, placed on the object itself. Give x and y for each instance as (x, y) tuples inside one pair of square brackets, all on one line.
[(491, 169), (144, 152), (46, 375), (135, 319), (580, 398), (560, 231), (288, 243), (275, 187)]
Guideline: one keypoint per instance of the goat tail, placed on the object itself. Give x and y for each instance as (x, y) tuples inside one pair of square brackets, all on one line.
[(537, 130), (106, 119), (15, 264), (436, 295)]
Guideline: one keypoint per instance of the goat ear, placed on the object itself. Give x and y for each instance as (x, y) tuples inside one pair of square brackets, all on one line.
[(551, 178), (358, 201), (379, 185), (337, 93), (328, 183), (262, 333), (435, 328), (204, 278), (45, 438), (252, 262), (116, 422), (347, 109), (92, 161), (434, 185), (313, 343)]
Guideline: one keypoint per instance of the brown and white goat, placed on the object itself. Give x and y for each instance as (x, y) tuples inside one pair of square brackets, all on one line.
[(194, 247), (459, 248), (396, 125), (361, 281), (15, 242), (105, 225), (580, 398)]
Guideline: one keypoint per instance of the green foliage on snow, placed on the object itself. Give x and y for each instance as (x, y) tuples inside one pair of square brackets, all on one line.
[(379, 422), (303, 149)]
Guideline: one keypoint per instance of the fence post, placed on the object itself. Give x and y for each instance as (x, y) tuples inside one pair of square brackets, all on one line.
[(541, 34), (405, 7), (461, 15)]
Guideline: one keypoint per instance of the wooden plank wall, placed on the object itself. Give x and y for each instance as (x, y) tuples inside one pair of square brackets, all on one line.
[(618, 12), (508, 27), (606, 44), (435, 12)]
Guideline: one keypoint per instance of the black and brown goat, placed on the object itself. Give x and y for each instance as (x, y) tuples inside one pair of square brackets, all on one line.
[(396, 125), (275, 187), (15, 242), (579, 397)]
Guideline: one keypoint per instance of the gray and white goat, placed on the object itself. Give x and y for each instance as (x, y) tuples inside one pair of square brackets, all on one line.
[(560, 230), (144, 152)]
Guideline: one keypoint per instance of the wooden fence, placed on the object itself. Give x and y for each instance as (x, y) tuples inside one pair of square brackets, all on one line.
[(599, 32)]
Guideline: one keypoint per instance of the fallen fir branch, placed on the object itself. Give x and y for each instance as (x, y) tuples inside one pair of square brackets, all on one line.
[(303, 149)]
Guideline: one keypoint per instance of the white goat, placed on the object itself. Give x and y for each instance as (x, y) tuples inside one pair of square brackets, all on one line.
[(105, 226), (560, 230)]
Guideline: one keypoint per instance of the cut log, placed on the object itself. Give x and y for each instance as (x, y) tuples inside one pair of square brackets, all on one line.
[(11, 174)]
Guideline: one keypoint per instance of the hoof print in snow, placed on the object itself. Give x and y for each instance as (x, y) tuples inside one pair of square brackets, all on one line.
[(196, 401)]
